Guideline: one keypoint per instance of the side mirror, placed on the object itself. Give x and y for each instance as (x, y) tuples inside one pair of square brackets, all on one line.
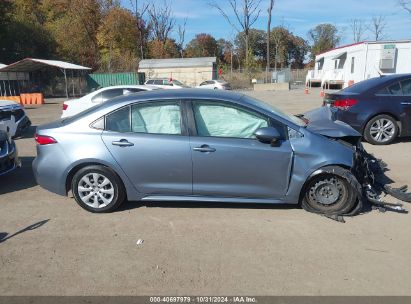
[(268, 135)]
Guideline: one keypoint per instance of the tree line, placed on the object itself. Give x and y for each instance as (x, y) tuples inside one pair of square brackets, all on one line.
[(108, 37)]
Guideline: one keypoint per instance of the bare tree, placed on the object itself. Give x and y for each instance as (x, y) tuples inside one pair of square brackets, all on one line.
[(406, 4), (142, 30), (358, 29), (162, 21), (246, 13), (181, 36), (377, 27), (269, 10)]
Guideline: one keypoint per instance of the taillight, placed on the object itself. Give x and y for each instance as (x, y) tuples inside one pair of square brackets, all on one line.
[(344, 104), (65, 106), (44, 140)]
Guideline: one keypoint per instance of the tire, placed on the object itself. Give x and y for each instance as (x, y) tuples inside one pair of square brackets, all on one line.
[(329, 194), (381, 130), (103, 191)]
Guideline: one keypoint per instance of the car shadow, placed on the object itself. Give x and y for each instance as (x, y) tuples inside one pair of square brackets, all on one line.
[(4, 236), (129, 205), (19, 179)]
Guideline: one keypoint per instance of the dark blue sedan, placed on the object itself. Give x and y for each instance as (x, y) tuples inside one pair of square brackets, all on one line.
[(379, 108)]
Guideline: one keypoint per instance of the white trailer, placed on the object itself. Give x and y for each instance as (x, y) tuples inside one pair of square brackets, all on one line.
[(346, 65)]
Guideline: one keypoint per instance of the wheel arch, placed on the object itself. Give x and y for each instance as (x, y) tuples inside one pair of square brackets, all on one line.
[(80, 166), (338, 169), (397, 119)]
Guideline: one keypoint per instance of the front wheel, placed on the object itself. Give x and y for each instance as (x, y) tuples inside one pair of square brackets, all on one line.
[(381, 130), (329, 194), (97, 189)]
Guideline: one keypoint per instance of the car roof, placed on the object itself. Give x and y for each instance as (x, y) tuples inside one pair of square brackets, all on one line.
[(131, 86), (177, 94), (374, 83)]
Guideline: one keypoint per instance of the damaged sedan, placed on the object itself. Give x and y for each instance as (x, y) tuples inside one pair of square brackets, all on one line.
[(201, 145)]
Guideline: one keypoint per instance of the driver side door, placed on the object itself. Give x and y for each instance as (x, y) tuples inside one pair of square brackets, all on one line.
[(228, 161)]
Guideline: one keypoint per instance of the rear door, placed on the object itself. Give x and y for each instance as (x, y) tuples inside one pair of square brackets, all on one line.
[(150, 143), (395, 98), (228, 160)]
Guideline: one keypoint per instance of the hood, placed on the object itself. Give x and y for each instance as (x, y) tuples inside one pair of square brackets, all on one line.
[(322, 121)]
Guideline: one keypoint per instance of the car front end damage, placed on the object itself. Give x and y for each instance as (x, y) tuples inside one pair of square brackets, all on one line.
[(366, 176)]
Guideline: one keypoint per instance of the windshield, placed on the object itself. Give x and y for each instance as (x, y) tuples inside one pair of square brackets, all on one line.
[(266, 106)]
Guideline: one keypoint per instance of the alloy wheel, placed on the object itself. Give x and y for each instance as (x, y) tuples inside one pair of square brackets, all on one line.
[(95, 190), (382, 130)]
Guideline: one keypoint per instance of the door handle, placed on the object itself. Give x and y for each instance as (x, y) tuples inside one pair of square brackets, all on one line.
[(122, 143), (204, 148)]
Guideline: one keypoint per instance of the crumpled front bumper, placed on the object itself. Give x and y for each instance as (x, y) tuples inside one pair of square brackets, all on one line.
[(370, 173)]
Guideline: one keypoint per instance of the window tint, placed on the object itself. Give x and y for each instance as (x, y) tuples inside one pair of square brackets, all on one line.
[(119, 121), (131, 91), (109, 94), (393, 89), (97, 98), (223, 120), (406, 87), (158, 118)]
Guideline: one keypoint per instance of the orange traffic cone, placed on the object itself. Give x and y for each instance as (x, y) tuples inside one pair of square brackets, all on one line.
[(306, 90), (322, 92)]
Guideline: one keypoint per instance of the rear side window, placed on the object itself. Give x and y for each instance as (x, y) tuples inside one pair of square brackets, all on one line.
[(158, 82), (157, 118), (150, 81), (393, 89), (119, 121)]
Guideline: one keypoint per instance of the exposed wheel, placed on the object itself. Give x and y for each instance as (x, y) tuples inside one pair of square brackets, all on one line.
[(329, 194), (381, 130), (97, 189)]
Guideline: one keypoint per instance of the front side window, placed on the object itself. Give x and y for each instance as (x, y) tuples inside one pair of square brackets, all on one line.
[(156, 118), (223, 120), (158, 82)]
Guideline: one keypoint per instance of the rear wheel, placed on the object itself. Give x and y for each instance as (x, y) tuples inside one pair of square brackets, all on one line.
[(329, 194), (381, 130), (97, 189)]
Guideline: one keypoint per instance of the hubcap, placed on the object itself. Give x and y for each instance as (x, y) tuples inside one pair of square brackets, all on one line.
[(326, 192), (382, 130), (95, 190)]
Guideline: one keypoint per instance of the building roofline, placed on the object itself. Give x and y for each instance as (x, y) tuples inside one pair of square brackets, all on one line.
[(366, 42)]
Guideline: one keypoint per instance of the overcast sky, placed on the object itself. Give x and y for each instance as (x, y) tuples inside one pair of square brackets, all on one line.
[(297, 15)]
